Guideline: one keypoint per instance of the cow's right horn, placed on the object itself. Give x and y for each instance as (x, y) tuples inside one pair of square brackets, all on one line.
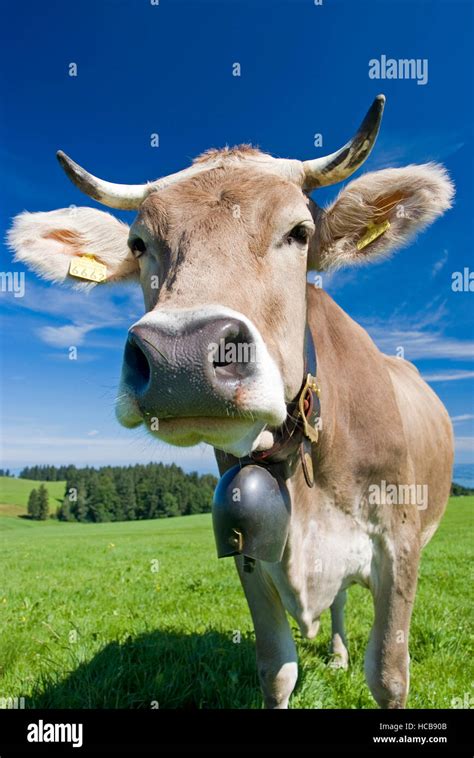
[(338, 166)]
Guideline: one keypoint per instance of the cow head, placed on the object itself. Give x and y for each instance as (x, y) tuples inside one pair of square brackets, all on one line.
[(222, 250)]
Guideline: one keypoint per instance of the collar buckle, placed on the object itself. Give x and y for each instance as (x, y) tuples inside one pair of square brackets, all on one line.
[(309, 386)]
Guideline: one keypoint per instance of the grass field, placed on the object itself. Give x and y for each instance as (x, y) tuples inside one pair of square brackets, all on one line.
[(89, 619)]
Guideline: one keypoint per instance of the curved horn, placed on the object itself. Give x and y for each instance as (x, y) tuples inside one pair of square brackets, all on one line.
[(336, 167), (128, 196), (124, 196)]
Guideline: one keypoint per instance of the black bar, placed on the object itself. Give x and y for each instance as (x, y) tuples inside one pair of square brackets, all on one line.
[(319, 732)]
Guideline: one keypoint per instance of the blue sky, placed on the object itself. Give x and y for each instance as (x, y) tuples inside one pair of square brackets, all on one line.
[(167, 69)]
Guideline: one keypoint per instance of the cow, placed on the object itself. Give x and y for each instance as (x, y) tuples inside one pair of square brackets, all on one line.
[(222, 250)]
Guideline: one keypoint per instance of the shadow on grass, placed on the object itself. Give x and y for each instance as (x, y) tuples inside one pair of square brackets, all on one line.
[(163, 669)]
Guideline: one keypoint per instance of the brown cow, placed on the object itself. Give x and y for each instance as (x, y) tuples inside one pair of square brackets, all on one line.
[(222, 251)]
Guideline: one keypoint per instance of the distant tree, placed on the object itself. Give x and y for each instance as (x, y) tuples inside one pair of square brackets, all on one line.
[(33, 505), (43, 503), (64, 512), (170, 504), (102, 497), (126, 496), (81, 509)]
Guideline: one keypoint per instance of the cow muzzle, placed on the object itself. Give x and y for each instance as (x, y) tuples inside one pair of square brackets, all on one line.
[(195, 373), (192, 376)]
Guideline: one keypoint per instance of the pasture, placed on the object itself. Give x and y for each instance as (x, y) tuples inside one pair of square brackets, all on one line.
[(142, 615), (14, 494)]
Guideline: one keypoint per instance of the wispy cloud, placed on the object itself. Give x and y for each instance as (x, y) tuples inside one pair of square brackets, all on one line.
[(448, 376), (419, 345), (462, 417), (111, 304), (440, 263), (106, 307), (398, 150), (64, 336), (420, 335)]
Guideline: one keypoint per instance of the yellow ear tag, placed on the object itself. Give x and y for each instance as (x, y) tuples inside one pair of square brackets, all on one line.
[(86, 267), (373, 231)]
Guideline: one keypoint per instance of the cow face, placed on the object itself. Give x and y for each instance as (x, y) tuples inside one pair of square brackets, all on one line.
[(221, 251), (222, 261)]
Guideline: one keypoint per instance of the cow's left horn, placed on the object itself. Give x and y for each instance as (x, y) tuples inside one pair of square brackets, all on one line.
[(336, 167), (124, 196)]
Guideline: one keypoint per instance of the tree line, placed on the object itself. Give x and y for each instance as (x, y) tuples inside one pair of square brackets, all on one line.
[(118, 493), (46, 473)]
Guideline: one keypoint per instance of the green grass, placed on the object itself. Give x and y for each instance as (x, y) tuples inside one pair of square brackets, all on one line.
[(14, 495), (86, 622)]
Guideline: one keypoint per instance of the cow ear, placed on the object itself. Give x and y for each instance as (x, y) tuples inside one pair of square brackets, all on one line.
[(48, 242), (378, 213)]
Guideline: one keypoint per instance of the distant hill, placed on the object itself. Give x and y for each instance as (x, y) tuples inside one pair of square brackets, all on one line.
[(14, 494)]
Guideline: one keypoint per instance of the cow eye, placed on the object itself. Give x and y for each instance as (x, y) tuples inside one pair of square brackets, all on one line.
[(137, 246), (299, 234)]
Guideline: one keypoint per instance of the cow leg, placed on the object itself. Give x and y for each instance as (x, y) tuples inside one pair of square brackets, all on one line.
[(387, 658), (339, 652), (276, 651)]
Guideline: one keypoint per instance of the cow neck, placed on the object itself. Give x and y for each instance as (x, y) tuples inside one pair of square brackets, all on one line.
[(299, 432)]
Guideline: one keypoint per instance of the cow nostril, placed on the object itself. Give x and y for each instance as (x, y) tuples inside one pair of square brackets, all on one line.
[(234, 353), (137, 366), (226, 354)]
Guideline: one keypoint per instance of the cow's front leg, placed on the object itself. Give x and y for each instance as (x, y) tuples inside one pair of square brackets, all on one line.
[(387, 659), (340, 655), (276, 651)]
